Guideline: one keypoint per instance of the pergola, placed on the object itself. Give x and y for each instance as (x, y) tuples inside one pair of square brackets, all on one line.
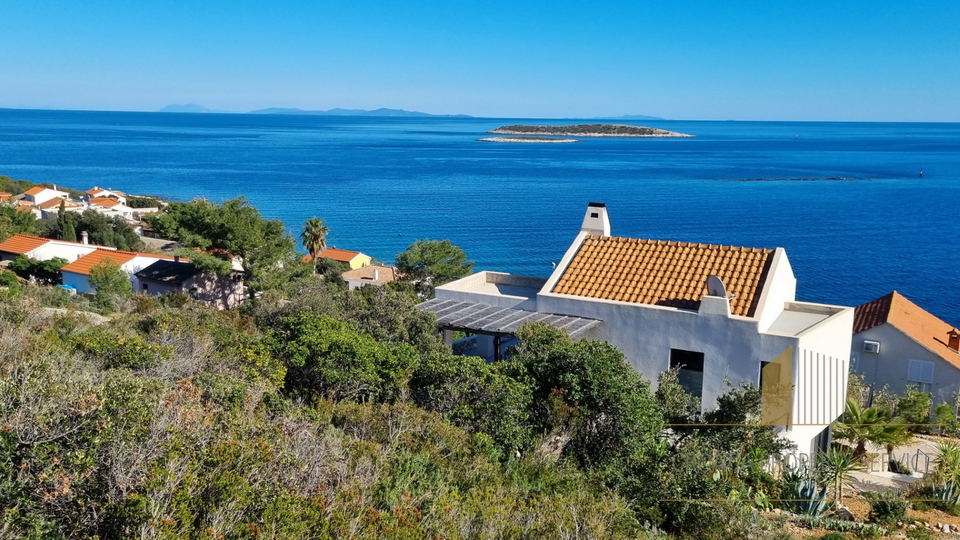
[(499, 322)]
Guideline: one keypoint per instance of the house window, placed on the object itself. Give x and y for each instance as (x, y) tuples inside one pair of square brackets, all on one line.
[(145, 287), (921, 373), (690, 366)]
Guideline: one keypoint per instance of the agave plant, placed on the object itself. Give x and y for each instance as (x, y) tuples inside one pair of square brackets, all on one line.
[(801, 494)]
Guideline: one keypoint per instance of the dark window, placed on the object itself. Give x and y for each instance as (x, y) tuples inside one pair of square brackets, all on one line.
[(594, 215), (690, 364), (145, 287)]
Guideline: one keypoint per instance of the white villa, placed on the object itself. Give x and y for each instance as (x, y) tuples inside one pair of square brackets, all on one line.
[(716, 312)]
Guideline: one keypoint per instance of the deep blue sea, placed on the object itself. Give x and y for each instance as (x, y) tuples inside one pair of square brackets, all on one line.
[(844, 199)]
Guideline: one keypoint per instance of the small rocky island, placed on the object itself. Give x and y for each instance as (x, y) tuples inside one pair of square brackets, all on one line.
[(587, 130), (528, 140)]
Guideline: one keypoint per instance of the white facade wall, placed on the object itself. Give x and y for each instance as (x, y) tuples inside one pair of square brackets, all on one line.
[(780, 287), (64, 250), (889, 366), (732, 347), (46, 195)]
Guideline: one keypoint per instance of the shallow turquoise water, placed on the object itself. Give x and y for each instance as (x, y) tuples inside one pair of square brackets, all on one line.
[(861, 224)]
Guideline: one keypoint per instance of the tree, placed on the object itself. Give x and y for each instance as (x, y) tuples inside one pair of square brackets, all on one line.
[(891, 434), (314, 236), (330, 359), (13, 222), (67, 230), (235, 227), (914, 407), (860, 426), (43, 272), (586, 391), (110, 282), (429, 263), (834, 468)]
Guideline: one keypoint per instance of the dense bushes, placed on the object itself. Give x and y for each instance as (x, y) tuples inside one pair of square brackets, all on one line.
[(338, 413)]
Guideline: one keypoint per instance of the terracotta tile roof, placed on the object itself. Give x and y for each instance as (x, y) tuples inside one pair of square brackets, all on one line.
[(386, 273), (106, 202), (24, 209), (911, 319), (88, 261), (664, 273), (55, 202), (341, 255), (22, 243), (94, 191), (35, 190)]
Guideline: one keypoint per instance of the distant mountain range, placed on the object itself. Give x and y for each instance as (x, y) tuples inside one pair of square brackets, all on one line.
[(193, 108), (631, 117)]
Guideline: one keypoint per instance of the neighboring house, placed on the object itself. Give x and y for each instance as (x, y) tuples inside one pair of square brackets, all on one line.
[(40, 195), (717, 313), (43, 249), (373, 274), (52, 207), (97, 192), (896, 343), (353, 258), (111, 207), (161, 277), (5, 197), (77, 273)]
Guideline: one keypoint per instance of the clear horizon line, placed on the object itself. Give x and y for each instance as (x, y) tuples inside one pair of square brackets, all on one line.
[(450, 115)]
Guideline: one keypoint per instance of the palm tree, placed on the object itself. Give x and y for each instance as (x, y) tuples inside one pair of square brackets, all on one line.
[(892, 434), (860, 426), (314, 236)]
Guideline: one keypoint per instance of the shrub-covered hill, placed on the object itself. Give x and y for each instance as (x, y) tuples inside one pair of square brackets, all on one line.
[(326, 413)]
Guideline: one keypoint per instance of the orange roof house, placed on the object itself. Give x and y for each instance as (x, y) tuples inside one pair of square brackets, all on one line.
[(20, 244), (664, 273), (353, 258), (5, 197), (716, 314), (898, 344), (106, 202), (35, 190), (372, 274), (84, 264)]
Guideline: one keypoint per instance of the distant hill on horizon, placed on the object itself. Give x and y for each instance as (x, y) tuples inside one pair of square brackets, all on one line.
[(349, 112), (630, 117), (189, 108)]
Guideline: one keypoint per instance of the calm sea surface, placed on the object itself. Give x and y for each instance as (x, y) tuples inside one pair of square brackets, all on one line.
[(844, 199)]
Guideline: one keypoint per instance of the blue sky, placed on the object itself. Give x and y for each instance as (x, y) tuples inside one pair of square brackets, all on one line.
[(709, 59)]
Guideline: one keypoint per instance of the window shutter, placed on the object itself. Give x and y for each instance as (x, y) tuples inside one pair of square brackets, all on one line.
[(913, 371), (927, 372)]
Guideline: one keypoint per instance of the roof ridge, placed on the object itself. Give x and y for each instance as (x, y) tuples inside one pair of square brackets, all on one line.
[(682, 243)]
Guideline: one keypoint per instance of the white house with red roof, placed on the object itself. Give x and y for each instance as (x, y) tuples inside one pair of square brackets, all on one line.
[(39, 195), (898, 344), (97, 192), (715, 313), (44, 249), (77, 273)]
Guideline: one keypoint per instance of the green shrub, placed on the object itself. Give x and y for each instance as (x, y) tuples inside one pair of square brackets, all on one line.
[(833, 535), (887, 508), (919, 534), (8, 279), (898, 467)]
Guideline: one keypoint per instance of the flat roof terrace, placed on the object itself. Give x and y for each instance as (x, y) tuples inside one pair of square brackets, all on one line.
[(798, 317), (497, 284)]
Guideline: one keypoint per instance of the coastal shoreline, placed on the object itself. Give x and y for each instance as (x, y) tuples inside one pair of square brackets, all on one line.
[(527, 140), (590, 130)]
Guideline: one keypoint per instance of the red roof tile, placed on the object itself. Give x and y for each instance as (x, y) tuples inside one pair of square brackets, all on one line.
[(84, 264), (35, 190), (341, 255), (22, 243), (664, 273), (917, 323)]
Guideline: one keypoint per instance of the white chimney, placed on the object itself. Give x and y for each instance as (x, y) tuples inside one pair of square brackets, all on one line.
[(376, 274), (84, 237), (596, 220)]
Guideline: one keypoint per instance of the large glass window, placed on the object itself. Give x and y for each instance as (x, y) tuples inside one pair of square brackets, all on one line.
[(690, 364)]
